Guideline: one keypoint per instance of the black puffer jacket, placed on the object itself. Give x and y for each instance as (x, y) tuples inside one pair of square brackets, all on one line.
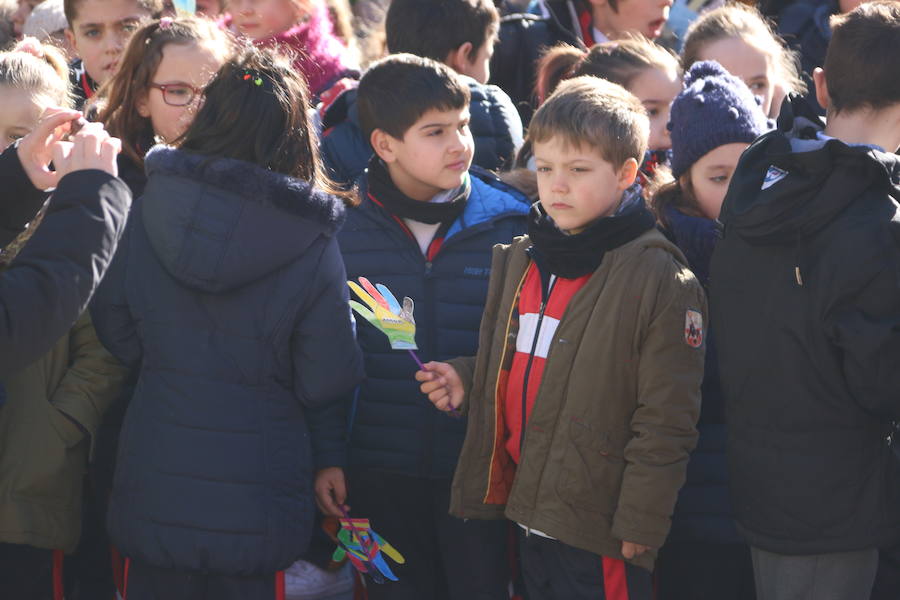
[(806, 289), (231, 295), (51, 280)]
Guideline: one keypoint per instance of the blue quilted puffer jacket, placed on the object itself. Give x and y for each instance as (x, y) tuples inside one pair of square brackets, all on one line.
[(394, 426)]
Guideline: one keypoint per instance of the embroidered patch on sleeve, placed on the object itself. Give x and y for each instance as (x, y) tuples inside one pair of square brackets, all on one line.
[(693, 328)]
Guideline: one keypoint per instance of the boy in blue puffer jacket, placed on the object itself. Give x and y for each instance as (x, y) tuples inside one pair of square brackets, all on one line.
[(425, 228), (458, 33)]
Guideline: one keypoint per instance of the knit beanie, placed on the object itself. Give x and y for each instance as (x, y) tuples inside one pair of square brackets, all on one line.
[(47, 18), (714, 108)]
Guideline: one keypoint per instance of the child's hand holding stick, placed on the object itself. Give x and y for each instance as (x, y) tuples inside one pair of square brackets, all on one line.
[(442, 385)]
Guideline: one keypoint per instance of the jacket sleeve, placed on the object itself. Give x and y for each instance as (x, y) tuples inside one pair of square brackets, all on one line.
[(51, 281), (21, 200), (93, 380), (327, 360), (116, 327), (864, 326), (663, 426)]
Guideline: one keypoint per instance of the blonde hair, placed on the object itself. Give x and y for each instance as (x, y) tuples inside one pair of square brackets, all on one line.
[(37, 68), (597, 113), (620, 62), (746, 23)]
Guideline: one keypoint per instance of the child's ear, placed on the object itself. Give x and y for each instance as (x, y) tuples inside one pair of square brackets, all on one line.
[(384, 145), (627, 174), (140, 104), (70, 37), (460, 60), (821, 88)]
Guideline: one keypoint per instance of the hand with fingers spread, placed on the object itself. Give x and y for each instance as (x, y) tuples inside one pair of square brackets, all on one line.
[(35, 150), (386, 313), (442, 385), (91, 148)]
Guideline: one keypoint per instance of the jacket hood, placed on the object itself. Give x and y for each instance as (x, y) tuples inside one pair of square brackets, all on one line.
[(218, 223), (793, 181)]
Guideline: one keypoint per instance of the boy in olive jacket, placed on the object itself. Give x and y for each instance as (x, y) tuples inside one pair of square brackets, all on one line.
[(584, 396)]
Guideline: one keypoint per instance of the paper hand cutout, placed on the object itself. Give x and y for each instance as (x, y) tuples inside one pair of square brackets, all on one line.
[(385, 313), (366, 549), (185, 6)]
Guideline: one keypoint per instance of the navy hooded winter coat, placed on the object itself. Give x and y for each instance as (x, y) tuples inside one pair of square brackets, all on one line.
[(394, 427), (229, 292)]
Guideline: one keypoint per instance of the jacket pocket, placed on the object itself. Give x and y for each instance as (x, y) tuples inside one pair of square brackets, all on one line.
[(591, 474), (52, 472)]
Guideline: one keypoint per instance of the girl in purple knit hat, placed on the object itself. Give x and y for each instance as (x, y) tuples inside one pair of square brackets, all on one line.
[(712, 122)]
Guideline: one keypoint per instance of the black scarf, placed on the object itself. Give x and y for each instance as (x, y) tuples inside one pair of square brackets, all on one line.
[(573, 256), (397, 203)]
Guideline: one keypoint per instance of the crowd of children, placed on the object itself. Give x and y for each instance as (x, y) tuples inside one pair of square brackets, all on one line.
[(652, 269)]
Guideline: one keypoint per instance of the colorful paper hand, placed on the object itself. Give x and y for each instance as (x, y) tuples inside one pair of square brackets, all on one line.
[(366, 549), (385, 313)]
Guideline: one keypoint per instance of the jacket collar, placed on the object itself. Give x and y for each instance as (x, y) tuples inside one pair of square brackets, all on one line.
[(250, 182)]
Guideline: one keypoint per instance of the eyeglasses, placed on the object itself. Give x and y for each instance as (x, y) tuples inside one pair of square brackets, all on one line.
[(178, 93)]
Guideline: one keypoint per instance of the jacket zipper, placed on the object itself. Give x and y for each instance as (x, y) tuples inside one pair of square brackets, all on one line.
[(534, 343), (509, 318)]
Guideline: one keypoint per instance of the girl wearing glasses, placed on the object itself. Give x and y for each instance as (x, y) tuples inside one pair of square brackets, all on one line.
[(155, 93)]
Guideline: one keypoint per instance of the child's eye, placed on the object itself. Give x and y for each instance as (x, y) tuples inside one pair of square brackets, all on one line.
[(543, 169), (580, 169), (653, 112), (92, 33), (129, 27), (435, 132), (719, 179), (758, 86), (178, 91)]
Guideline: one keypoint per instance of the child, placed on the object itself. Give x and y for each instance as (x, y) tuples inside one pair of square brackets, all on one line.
[(600, 21), (304, 28), (805, 309), (737, 37), (232, 299), (156, 90), (704, 556), (425, 229), (30, 82), (584, 393), (643, 68), (47, 22), (56, 402), (98, 31), (459, 33)]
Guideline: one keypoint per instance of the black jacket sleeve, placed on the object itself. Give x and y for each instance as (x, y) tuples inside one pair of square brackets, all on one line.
[(864, 323), (51, 281), (21, 200)]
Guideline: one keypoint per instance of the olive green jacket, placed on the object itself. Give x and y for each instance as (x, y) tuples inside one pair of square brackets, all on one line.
[(607, 443), (43, 454)]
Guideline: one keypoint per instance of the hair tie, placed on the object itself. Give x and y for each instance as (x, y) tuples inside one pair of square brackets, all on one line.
[(252, 76), (32, 46), (165, 23)]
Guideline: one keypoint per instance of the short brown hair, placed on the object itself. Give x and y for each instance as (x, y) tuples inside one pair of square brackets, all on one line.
[(434, 28), (597, 113), (153, 7), (396, 91), (861, 63)]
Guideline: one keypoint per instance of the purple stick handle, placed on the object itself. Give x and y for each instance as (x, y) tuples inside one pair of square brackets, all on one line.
[(416, 358), (454, 412)]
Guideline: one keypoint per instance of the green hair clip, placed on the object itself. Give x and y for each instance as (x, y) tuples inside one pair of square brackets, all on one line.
[(256, 78)]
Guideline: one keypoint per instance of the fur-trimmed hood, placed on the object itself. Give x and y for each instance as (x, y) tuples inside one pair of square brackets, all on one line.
[(218, 223)]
